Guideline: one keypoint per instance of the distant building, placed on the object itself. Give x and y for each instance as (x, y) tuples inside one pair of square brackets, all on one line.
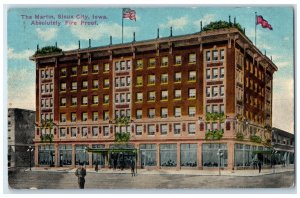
[(187, 97), (20, 135), (284, 143)]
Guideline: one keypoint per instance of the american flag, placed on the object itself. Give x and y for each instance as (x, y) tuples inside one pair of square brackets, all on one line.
[(129, 14)]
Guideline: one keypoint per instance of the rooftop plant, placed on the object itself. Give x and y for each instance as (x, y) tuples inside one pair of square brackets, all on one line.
[(222, 24), (48, 50)]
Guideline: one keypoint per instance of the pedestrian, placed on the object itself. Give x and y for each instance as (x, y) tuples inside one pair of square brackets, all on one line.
[(81, 173), (132, 166), (259, 166), (96, 166)]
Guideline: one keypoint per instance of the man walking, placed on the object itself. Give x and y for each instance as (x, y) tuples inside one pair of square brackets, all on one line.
[(132, 166), (81, 173), (259, 166)]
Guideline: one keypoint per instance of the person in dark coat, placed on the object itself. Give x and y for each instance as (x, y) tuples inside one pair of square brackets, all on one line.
[(259, 166), (81, 173), (132, 166), (96, 166)]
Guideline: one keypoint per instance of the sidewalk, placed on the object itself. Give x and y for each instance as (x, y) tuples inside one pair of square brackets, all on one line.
[(250, 172)]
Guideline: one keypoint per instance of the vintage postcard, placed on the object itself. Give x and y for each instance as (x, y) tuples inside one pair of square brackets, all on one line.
[(150, 97)]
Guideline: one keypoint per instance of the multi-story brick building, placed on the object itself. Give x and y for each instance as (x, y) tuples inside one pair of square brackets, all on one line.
[(166, 86)]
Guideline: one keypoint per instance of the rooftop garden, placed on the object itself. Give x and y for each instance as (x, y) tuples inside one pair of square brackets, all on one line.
[(47, 50), (222, 24)]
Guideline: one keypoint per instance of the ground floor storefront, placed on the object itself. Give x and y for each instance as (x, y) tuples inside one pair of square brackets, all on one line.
[(178, 155)]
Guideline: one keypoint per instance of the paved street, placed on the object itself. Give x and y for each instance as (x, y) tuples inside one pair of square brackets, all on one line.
[(162, 179)]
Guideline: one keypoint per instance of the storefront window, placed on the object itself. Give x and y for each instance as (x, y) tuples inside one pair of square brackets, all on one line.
[(65, 154), (168, 155), (148, 154), (98, 158), (188, 155), (81, 155), (46, 155), (210, 157)]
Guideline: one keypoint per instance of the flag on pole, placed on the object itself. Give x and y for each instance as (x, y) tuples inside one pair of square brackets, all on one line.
[(264, 23), (129, 14)]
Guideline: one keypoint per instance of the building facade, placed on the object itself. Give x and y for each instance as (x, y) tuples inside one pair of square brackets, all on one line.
[(284, 144), (21, 130), (188, 98)]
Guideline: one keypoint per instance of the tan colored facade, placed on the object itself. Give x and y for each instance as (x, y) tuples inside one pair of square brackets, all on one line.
[(166, 86)]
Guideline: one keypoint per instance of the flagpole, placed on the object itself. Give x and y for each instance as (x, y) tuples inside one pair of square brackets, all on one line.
[(255, 28), (122, 24)]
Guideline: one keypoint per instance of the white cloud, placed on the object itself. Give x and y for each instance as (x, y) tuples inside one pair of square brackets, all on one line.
[(206, 19), (286, 38), (25, 54), (102, 30), (283, 64), (283, 103), (176, 24), (68, 47), (46, 34)]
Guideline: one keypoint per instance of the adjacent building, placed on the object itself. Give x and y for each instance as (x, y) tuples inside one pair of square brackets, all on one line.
[(21, 130), (189, 99), (284, 144)]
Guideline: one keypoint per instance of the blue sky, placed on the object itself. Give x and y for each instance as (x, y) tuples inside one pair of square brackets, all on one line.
[(22, 38)]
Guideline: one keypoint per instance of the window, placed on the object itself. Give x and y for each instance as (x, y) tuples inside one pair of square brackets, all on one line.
[(178, 60), (73, 117), (106, 83), (123, 81), (177, 128), (84, 100), (106, 99), (207, 73), (152, 62), (215, 55), (151, 129), (84, 117), (192, 111), (207, 55), (43, 88), (63, 86), (73, 132), (84, 84), (117, 82), (192, 58), (177, 94), (138, 129), (215, 109), (191, 128), (128, 97), (95, 100), (221, 108), (42, 73), (123, 65), (84, 69), (128, 80), (105, 115), (117, 66), (151, 96), (51, 102), (139, 64), (177, 111), (47, 88), (164, 112), (214, 126), (106, 130), (215, 91), (74, 85), (74, 71), (128, 112), (222, 90), (46, 74), (63, 72), (222, 72), (74, 100), (106, 67), (164, 95), (177, 77), (122, 97), (63, 117), (163, 129), (208, 108), (164, 61), (95, 83), (51, 72), (151, 113), (164, 78), (139, 97), (62, 132), (95, 68), (95, 131), (51, 87), (151, 79), (128, 63), (192, 75), (192, 93), (215, 73), (84, 131), (221, 54), (63, 101), (139, 80), (139, 114)]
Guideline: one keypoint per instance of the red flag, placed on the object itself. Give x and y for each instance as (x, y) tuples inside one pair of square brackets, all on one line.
[(264, 23), (129, 14)]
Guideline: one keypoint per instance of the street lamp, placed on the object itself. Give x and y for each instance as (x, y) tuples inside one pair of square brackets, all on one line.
[(273, 159), (220, 154), (30, 150)]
